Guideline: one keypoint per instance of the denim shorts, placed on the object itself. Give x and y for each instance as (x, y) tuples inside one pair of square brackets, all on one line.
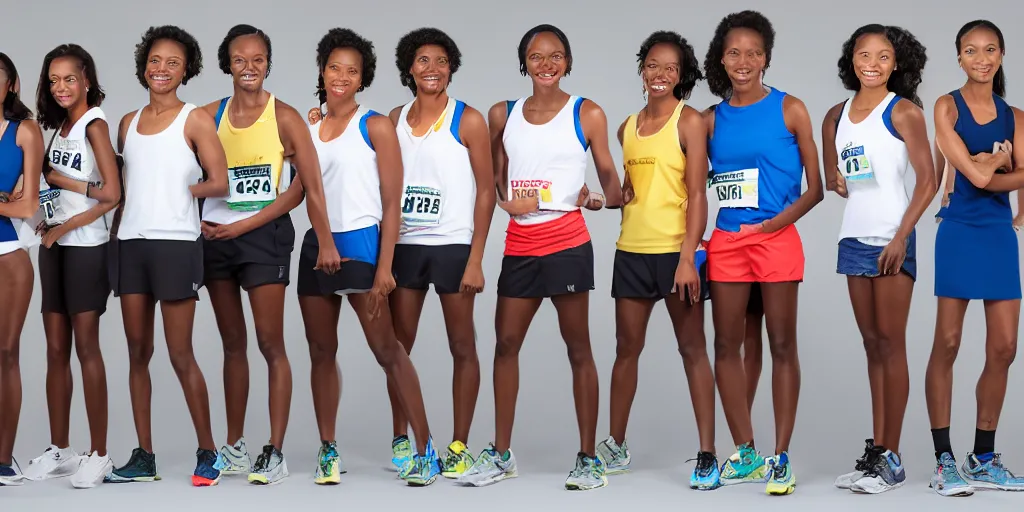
[(857, 258)]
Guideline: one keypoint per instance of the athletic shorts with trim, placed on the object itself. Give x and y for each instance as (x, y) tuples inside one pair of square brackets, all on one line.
[(416, 267), (167, 270), (753, 257), (259, 257), (356, 275), (652, 276), (74, 279), (566, 271)]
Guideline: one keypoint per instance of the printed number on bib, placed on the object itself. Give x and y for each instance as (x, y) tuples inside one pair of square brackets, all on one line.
[(855, 166), (421, 206), (251, 188), (50, 204), (736, 189)]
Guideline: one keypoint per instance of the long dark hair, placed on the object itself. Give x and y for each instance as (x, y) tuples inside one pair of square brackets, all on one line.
[(51, 114), (14, 109), (999, 82)]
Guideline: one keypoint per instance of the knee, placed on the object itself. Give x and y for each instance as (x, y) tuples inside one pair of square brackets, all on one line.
[(947, 344), (234, 345), (507, 346), (272, 349), (9, 357), (321, 352), (628, 347), (181, 360), (783, 348), (580, 354), (57, 355), (874, 347), (727, 348), (693, 349), (1003, 352), (463, 350), (140, 354), (88, 352), (385, 351)]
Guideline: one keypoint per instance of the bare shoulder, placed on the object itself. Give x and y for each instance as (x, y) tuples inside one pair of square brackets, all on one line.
[(28, 132), (395, 113), (379, 122), (691, 117), (589, 109)]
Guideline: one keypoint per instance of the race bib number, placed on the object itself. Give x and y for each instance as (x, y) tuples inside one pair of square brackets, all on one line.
[(251, 188), (855, 164), (736, 189), (50, 205), (421, 206)]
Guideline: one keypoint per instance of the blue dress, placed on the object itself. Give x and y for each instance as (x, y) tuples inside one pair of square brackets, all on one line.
[(976, 252), (11, 162)]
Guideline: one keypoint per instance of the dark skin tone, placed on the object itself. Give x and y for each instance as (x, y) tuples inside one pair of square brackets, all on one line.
[(744, 61), (164, 71), (68, 85), (546, 63), (881, 305), (661, 73), (980, 57), (16, 274), (342, 79)]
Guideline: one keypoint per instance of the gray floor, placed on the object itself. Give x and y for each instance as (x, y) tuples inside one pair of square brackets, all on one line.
[(368, 484)]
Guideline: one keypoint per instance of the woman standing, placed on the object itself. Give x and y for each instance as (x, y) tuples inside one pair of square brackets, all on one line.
[(362, 169), (168, 147), (760, 145), (868, 143), (659, 252), (84, 185), (21, 151), (540, 146), (976, 133)]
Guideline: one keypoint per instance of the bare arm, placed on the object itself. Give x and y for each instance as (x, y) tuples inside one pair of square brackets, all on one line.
[(284, 203), (828, 148), (595, 128), (799, 123), (496, 118), (201, 133), (389, 167), (953, 148), (298, 145), (108, 192), (475, 136), (1012, 180), (694, 134), (29, 138), (908, 119)]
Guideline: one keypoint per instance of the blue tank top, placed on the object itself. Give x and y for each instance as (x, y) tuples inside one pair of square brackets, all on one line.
[(969, 204), (11, 163), (756, 169)]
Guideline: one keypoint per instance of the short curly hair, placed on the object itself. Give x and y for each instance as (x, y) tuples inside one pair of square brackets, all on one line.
[(344, 38), (193, 53), (51, 114), (910, 60), (690, 73), (529, 35), (714, 70), (410, 43), (223, 51)]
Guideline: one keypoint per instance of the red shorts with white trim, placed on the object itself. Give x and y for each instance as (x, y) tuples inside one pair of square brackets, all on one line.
[(753, 257)]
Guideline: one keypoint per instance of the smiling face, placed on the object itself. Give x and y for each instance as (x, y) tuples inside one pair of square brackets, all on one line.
[(166, 66), (546, 59), (744, 58), (874, 60), (980, 54), (343, 74), (431, 69), (249, 62), (67, 81), (662, 70)]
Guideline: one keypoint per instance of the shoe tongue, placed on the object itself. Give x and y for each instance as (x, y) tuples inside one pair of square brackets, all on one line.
[(457, 447)]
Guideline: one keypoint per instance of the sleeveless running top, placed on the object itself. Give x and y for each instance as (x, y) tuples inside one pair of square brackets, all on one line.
[(873, 159), (756, 169), (969, 204), (12, 162), (440, 187), (73, 157), (548, 161), (350, 176), (255, 161), (158, 169), (654, 222)]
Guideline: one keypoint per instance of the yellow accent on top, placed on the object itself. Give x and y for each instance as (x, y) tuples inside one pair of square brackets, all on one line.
[(254, 147), (654, 222)]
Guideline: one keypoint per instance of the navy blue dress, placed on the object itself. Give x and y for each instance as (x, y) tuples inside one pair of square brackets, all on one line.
[(976, 252)]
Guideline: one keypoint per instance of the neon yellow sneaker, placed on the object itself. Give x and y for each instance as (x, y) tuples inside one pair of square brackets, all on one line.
[(781, 480), (328, 468), (457, 460)]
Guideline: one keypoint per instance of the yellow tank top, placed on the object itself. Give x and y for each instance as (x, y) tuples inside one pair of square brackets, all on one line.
[(255, 158), (654, 222)]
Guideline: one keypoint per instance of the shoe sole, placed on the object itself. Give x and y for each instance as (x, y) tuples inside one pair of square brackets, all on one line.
[(953, 493), (260, 480), (140, 479), (489, 481), (988, 486), (864, 490), (576, 487)]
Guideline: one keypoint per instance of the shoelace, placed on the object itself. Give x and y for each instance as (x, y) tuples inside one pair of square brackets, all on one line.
[(582, 467), (263, 460), (873, 457), (705, 463)]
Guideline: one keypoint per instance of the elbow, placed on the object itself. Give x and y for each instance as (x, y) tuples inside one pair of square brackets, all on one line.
[(25, 210), (981, 182)]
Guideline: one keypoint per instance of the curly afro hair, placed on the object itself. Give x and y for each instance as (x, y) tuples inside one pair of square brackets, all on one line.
[(689, 74), (51, 114), (410, 43), (714, 70), (344, 38), (528, 36), (193, 54), (999, 82), (223, 51), (909, 66)]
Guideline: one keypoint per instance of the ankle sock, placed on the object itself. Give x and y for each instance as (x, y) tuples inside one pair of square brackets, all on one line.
[(940, 438), (984, 444)]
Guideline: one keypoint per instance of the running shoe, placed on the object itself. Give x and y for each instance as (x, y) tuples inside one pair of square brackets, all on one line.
[(53, 463), (457, 460), (234, 460), (946, 480), (10, 475), (615, 457), (328, 468), (141, 467), (860, 467), (990, 474), (205, 474), (401, 450), (92, 471), (489, 468), (744, 466), (885, 475), (706, 475), (424, 468), (588, 474), (781, 480), (270, 467)]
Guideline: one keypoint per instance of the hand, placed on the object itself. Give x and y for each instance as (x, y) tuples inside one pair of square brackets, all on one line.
[(315, 115), (891, 259), (841, 185), (214, 231), (521, 206), (472, 279), (687, 282), (41, 228), (383, 284), (328, 259), (209, 229), (590, 200), (627, 191), (1018, 221), (53, 234)]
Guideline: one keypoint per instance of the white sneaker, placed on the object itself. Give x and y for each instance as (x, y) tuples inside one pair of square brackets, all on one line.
[(92, 471), (234, 460), (53, 463)]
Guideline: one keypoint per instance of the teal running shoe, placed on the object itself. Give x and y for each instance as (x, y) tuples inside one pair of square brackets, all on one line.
[(615, 456), (424, 469), (986, 471), (744, 466), (588, 474), (706, 475), (946, 480), (141, 467)]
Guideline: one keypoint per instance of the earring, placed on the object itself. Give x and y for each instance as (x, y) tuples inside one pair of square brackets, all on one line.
[(645, 92)]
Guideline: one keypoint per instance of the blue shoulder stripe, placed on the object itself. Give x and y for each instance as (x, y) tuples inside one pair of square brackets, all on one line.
[(220, 112), (576, 121), (460, 107), (364, 130)]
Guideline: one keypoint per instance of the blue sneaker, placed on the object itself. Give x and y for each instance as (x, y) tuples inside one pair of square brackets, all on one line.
[(424, 468), (946, 480), (706, 475), (205, 474), (986, 471), (141, 467), (885, 474), (10, 475)]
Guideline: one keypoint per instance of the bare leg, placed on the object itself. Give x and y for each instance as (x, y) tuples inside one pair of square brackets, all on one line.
[(631, 319), (320, 317), (226, 298), (458, 321), (511, 321), (268, 314), (179, 317), (16, 288), (406, 306), (780, 313)]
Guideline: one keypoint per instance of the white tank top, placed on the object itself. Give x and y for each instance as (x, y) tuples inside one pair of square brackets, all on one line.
[(873, 159), (73, 157), (548, 160), (350, 176), (440, 188), (158, 169)]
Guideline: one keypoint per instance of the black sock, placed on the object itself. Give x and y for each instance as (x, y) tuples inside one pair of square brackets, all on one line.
[(984, 441), (940, 438)]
